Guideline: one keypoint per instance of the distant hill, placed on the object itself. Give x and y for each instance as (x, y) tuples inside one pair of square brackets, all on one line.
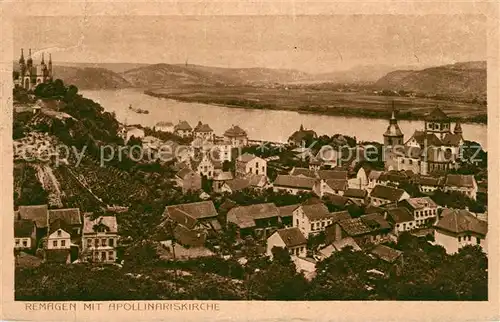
[(90, 78), (160, 75), (467, 78)]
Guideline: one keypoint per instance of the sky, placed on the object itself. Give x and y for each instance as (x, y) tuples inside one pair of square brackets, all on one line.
[(313, 44)]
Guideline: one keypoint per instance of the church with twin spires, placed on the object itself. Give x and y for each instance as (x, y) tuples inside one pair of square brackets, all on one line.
[(434, 149), (29, 75)]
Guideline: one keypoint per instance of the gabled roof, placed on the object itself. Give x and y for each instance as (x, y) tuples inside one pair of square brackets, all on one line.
[(200, 127), (70, 216), (422, 136), (461, 221), (187, 214), (452, 139), (235, 131), (319, 211), (223, 176), (183, 172), (244, 216), (187, 237), (419, 203), (108, 221), (164, 123), (375, 221), (246, 157), (460, 180), (332, 174), (436, 114), (59, 224), (303, 172), (400, 215), (287, 211), (355, 193), (354, 226), (300, 135), (339, 215), (387, 193), (227, 205), (375, 174), (183, 125), (386, 253), (238, 184), (36, 213), (430, 181), (292, 237), (337, 184), (298, 182), (23, 228)]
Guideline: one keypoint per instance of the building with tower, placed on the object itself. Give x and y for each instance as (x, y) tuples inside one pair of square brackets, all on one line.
[(434, 149), (28, 75)]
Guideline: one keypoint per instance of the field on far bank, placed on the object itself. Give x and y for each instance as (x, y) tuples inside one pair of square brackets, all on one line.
[(327, 102)]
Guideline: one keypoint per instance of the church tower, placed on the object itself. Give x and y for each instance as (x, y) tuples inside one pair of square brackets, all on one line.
[(458, 128), (393, 135), (50, 67), (29, 62), (22, 64)]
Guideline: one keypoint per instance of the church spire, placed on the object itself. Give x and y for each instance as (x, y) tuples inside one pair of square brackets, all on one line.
[(43, 60), (393, 119), (458, 128), (21, 59), (30, 60)]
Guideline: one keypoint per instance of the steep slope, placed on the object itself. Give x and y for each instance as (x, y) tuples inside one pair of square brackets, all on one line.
[(90, 78), (468, 78)]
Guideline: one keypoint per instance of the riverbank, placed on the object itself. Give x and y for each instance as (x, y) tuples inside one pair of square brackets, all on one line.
[(377, 109)]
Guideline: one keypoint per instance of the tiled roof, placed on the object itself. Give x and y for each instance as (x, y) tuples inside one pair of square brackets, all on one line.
[(227, 205), (460, 180), (372, 209), (374, 174), (238, 184), (244, 216), (287, 211), (332, 174), (336, 200), (23, 228), (421, 202), (246, 157), (400, 214), (223, 176), (355, 193), (184, 126), (108, 221), (386, 253), (339, 215), (344, 242), (183, 172), (422, 136), (59, 224), (337, 184), (235, 131), (354, 226), (36, 213), (295, 182), (200, 127), (387, 193), (257, 180), (393, 176), (452, 139), (412, 152), (164, 123), (316, 211), (303, 172), (430, 181), (187, 214), (436, 114), (375, 221), (461, 221), (70, 216), (292, 237)]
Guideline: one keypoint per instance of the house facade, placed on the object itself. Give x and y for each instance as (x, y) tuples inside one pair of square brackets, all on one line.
[(457, 228), (311, 219), (167, 127), (249, 163), (290, 239), (24, 234), (100, 239), (183, 129), (465, 184), (258, 220), (236, 136), (203, 131), (424, 210), (381, 195), (188, 180), (294, 184)]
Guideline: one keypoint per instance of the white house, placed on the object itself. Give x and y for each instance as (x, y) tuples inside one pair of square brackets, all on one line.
[(236, 136), (311, 219), (290, 239), (203, 131), (381, 195), (100, 238), (294, 184), (465, 184), (224, 150), (163, 126), (183, 129), (457, 228), (59, 235), (424, 210), (249, 163), (428, 184), (401, 218)]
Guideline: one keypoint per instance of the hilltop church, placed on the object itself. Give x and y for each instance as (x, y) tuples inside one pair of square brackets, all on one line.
[(29, 75), (433, 149)]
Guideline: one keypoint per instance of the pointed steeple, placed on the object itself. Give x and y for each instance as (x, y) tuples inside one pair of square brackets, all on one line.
[(43, 58), (301, 127), (21, 59), (30, 60), (393, 119)]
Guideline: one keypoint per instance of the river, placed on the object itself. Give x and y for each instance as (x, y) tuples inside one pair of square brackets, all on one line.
[(269, 125)]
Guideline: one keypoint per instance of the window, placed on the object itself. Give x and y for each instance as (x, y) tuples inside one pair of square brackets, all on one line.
[(63, 243), (478, 240), (103, 256), (96, 242), (257, 164), (89, 243), (111, 242), (402, 161), (469, 238), (459, 239), (323, 224), (103, 242), (59, 233), (17, 242), (54, 243), (410, 161), (111, 255), (312, 226), (296, 222)]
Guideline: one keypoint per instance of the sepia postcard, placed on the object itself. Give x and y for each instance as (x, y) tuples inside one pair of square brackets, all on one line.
[(266, 160)]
